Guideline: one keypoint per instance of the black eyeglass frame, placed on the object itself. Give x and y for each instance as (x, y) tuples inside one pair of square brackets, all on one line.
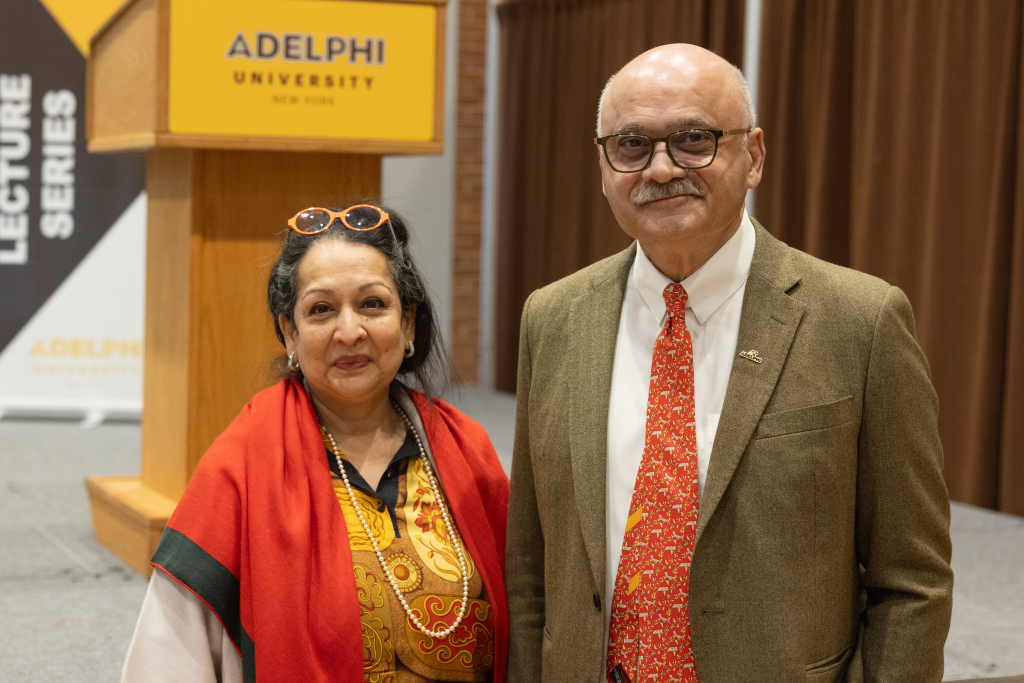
[(603, 142)]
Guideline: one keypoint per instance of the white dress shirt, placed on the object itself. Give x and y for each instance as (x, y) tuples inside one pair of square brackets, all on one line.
[(714, 300)]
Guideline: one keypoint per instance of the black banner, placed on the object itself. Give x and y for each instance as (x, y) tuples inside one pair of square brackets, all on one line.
[(56, 199)]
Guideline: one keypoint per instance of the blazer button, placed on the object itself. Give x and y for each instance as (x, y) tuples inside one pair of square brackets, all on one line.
[(381, 506), (597, 602)]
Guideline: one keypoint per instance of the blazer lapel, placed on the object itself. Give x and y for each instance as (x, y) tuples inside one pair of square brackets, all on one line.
[(768, 324), (593, 327)]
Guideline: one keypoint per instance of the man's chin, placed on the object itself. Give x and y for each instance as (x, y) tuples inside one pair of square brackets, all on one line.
[(662, 219), (668, 226)]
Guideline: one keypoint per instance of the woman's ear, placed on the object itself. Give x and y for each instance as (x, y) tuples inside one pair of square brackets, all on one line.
[(290, 332), (409, 322)]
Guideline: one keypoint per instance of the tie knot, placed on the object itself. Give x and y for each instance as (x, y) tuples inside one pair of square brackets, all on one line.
[(675, 300)]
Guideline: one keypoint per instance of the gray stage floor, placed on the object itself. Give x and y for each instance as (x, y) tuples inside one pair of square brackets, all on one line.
[(68, 607)]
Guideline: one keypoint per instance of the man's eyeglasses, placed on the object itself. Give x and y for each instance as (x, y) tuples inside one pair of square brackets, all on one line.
[(692, 148), (361, 217)]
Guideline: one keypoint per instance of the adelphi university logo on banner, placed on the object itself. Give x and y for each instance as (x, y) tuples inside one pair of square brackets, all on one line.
[(303, 68)]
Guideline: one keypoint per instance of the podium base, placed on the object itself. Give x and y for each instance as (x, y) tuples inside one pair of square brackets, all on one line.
[(128, 518)]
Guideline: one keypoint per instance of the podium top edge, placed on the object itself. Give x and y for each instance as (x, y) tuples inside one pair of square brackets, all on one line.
[(128, 3)]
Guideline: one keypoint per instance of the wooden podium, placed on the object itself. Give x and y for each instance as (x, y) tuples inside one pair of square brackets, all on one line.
[(236, 144)]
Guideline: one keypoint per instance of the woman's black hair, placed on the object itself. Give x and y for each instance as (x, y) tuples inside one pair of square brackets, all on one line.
[(430, 364)]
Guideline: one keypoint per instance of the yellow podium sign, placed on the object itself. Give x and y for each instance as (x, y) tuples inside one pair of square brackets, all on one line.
[(302, 68), (362, 76)]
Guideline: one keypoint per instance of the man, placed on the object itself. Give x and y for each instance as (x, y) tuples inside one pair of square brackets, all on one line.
[(727, 466)]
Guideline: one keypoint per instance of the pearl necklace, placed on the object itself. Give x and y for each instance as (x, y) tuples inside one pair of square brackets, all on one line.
[(442, 633)]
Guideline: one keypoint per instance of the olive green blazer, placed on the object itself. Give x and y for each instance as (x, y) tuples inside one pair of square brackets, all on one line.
[(822, 549)]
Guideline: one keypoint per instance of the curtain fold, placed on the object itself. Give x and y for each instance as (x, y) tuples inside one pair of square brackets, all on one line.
[(894, 138), (556, 56)]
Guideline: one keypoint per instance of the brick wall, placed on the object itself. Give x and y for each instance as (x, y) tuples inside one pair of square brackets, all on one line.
[(469, 168)]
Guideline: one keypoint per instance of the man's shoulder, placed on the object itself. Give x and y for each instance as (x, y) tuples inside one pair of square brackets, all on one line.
[(555, 298), (815, 282)]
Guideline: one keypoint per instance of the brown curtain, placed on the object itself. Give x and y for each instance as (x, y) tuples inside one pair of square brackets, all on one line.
[(894, 136), (556, 56)]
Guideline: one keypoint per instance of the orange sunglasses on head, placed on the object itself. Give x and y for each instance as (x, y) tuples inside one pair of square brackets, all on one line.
[(361, 217)]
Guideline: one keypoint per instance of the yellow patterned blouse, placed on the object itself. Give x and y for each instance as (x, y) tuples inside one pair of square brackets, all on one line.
[(405, 519)]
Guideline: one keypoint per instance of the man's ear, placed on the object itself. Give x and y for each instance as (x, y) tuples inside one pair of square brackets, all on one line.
[(290, 332), (756, 150), (601, 162)]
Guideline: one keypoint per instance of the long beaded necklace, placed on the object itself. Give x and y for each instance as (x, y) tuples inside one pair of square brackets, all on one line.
[(442, 633)]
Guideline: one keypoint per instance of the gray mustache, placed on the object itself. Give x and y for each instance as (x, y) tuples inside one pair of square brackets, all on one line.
[(650, 191)]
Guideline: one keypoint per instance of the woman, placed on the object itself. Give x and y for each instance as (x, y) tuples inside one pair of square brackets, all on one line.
[(344, 527)]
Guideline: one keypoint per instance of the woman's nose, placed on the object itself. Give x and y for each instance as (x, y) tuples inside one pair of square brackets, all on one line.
[(349, 327)]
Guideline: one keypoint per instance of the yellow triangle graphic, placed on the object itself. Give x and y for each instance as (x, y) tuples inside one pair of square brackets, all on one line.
[(81, 18)]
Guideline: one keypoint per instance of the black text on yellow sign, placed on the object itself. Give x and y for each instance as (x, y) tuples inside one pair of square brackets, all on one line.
[(352, 70)]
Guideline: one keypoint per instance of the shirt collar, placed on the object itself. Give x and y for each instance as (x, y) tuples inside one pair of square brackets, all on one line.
[(408, 449), (708, 287)]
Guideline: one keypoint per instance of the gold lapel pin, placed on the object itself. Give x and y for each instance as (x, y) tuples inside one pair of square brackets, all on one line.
[(751, 355)]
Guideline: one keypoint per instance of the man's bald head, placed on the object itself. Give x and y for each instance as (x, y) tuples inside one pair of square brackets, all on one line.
[(682, 60)]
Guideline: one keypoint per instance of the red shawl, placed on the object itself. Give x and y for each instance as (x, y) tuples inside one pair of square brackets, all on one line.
[(260, 538)]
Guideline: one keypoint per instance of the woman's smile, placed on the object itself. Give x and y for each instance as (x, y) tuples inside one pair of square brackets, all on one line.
[(354, 362)]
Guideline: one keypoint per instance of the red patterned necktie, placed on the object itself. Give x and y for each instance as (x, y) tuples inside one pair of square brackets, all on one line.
[(650, 627)]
